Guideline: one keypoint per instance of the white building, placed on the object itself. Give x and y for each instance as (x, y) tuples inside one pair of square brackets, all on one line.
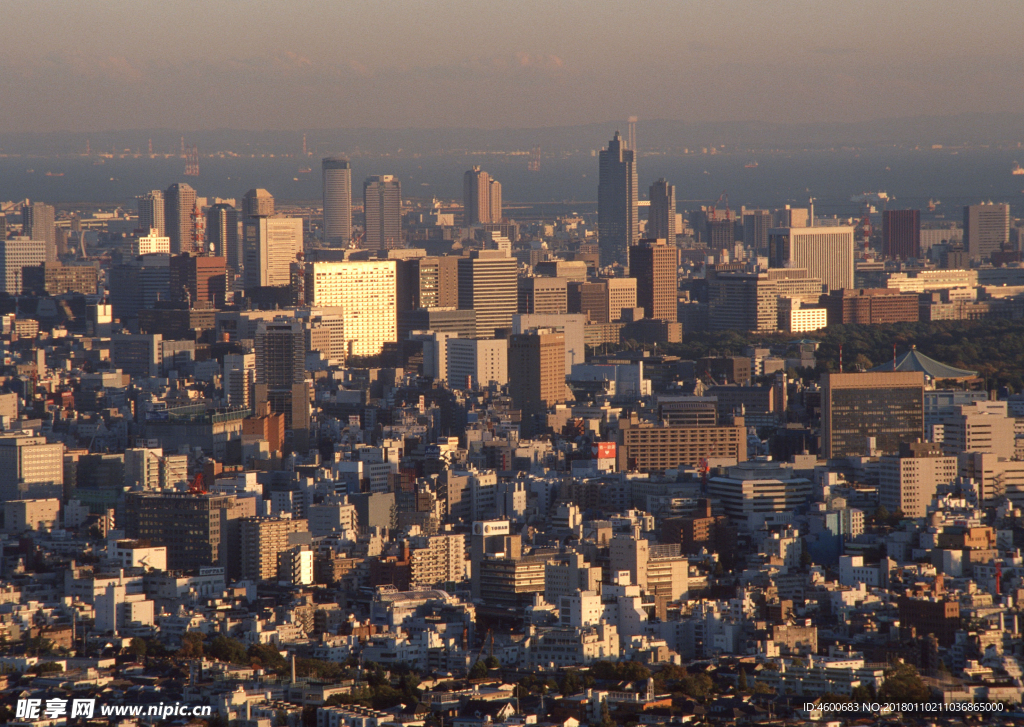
[(151, 243), (17, 253), (825, 252), (270, 245), (363, 294), (476, 363)]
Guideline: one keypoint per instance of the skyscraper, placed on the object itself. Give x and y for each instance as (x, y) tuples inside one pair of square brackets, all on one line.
[(20, 253), (825, 253), (756, 224), (986, 229), (536, 367), (481, 198), (363, 292), (653, 265), (337, 181), (281, 371), (662, 219), (37, 221), (151, 213), (270, 245), (617, 223), (222, 233), (257, 203), (179, 204), (887, 407), (901, 234), (488, 284), (382, 203)]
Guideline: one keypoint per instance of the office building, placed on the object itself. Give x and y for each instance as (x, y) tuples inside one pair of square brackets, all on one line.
[(476, 363), (261, 539), (337, 187), (363, 293), (488, 284), (55, 278), (825, 252), (481, 198), (271, 245), (441, 320), (239, 379), (907, 482), (179, 208), (139, 283), (37, 223), (983, 427), (437, 561), (151, 213), (603, 300), (281, 370), (749, 301), (382, 205), (137, 354), (901, 234), (427, 282), (648, 447), (536, 365), (325, 332), (720, 233), (885, 408), (870, 306), (653, 264), (16, 254), (257, 202), (986, 229), (661, 221), (618, 227), (795, 317), (195, 529), (222, 234), (151, 243), (756, 224), (542, 295), (199, 280), (751, 492), (30, 467)]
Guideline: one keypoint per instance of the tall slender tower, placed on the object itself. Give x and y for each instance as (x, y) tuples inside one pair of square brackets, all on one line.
[(222, 233), (662, 219), (617, 225), (151, 213), (337, 181), (179, 204), (37, 220), (477, 204), (257, 203), (382, 203)]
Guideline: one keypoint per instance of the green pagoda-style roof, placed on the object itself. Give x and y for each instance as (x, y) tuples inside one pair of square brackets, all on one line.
[(914, 360)]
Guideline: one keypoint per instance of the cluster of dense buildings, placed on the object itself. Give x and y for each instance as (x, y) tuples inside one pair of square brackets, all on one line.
[(398, 438)]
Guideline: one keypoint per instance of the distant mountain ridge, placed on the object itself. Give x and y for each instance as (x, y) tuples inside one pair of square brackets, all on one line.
[(667, 136)]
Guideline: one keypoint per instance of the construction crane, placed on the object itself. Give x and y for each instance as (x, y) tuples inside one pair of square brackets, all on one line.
[(723, 198), (198, 485)]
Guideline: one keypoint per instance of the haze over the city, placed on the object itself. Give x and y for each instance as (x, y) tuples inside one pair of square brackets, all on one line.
[(262, 65)]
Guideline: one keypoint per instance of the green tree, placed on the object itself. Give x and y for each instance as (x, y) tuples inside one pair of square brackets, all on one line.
[(741, 683), (137, 648), (191, 646), (225, 648), (478, 670), (697, 686), (571, 683), (267, 657), (606, 715), (47, 667), (903, 684), (492, 662)]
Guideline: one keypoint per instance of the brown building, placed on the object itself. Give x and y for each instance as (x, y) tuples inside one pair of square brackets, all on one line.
[(700, 530), (727, 369), (870, 306), (542, 295), (885, 406), (427, 282), (54, 278), (260, 539), (199, 280), (536, 365), (269, 427), (654, 265), (930, 616), (647, 447), (602, 300), (195, 529), (901, 234), (176, 321)]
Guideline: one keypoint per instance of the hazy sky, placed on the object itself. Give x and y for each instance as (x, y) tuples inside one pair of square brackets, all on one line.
[(93, 65)]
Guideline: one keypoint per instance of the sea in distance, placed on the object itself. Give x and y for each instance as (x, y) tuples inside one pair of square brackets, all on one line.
[(562, 183)]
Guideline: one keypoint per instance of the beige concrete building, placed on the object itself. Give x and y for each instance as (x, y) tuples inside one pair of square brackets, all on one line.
[(825, 252), (30, 466), (983, 426), (536, 362), (858, 409), (437, 560), (647, 447), (908, 482), (260, 539), (22, 515), (363, 293)]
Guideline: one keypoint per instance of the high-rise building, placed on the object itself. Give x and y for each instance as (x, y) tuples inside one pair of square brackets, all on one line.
[(756, 224), (661, 221), (618, 226), (257, 202), (908, 481), (271, 245), (281, 370), (901, 234), (151, 212), (222, 234), (986, 229), (858, 409), (239, 379), (653, 264), (825, 252), (477, 362), (55, 278), (16, 254), (195, 529), (604, 300), (536, 364), (870, 306), (30, 467), (199, 280), (260, 540), (363, 293), (139, 283), (179, 207), (481, 198), (427, 282), (441, 320), (37, 222), (151, 243), (542, 295), (488, 284), (337, 185), (382, 204)]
